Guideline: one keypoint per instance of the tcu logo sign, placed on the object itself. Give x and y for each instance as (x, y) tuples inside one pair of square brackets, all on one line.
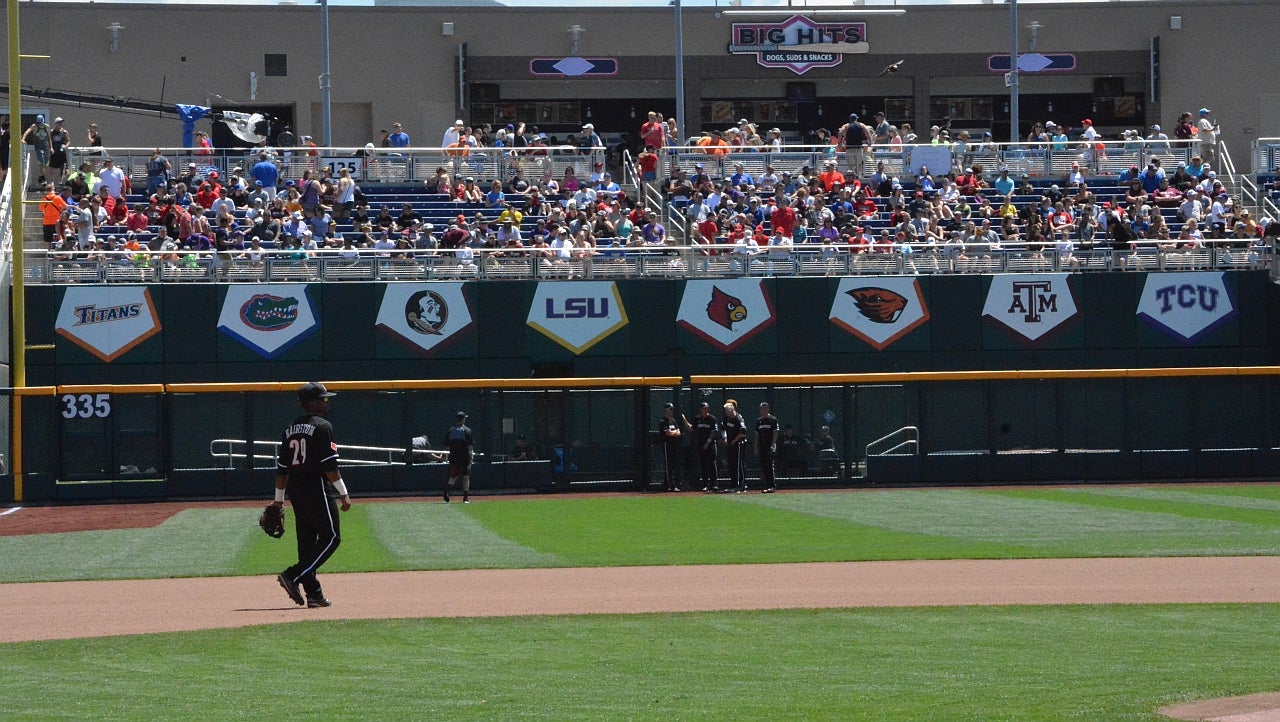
[(1030, 305), (1187, 304), (577, 314)]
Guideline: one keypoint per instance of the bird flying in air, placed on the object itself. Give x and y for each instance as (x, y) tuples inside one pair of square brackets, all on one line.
[(892, 68)]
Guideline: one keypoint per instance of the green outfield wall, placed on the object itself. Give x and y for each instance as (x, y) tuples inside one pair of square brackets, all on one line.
[(234, 332)]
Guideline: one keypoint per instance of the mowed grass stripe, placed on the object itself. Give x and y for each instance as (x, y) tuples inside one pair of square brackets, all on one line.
[(698, 529), (1100, 498), (360, 550), (433, 535), (1248, 491), (1106, 663), (1189, 497), (192, 543), (1017, 525)]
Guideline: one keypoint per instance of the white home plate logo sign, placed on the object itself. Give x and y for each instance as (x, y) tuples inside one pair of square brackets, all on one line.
[(424, 315), (108, 322), (726, 312), (269, 318), (879, 311), (577, 314), (1187, 304), (1030, 305)]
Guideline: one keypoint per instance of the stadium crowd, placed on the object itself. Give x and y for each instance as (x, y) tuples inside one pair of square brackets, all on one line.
[(962, 212)]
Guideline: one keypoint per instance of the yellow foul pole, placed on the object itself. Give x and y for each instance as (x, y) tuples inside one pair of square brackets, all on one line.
[(17, 313)]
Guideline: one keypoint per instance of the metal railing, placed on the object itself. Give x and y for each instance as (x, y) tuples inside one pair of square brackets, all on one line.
[(232, 450), (390, 166), (908, 437), (413, 166), (620, 262)]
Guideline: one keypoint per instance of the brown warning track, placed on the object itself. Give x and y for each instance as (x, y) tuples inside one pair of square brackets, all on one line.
[(64, 610)]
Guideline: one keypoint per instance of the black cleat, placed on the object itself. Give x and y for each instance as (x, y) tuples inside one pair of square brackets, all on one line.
[(314, 602), (769, 490), (291, 588), (466, 499), (446, 496)]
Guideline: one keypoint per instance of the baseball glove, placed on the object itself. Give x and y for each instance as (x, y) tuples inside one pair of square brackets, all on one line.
[(272, 521)]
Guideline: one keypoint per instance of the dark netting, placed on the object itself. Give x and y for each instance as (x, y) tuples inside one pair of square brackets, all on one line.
[(1092, 414), (954, 415), (136, 438), (1160, 413), (1023, 415)]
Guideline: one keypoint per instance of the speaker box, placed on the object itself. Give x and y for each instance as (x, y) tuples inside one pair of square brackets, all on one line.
[(484, 92), (1112, 87)]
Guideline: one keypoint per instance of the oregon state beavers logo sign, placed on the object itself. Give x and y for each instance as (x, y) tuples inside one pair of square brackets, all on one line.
[(879, 314), (880, 305), (724, 309), (725, 312)]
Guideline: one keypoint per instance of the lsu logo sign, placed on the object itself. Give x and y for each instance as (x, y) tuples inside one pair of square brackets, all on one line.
[(725, 312), (577, 314), (879, 311), (424, 316), (268, 319), (107, 322), (1030, 305), (1188, 304)]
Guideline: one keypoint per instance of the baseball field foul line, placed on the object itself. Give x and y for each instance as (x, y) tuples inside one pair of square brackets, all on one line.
[(9, 511), (65, 610)]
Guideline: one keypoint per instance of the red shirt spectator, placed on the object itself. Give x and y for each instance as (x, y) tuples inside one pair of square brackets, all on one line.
[(783, 219)]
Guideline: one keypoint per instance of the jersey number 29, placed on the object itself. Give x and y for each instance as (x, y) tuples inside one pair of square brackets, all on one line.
[(299, 447)]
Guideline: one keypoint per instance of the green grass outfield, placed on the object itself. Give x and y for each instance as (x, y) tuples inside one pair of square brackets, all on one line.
[(687, 529), (1103, 663), (983, 664)]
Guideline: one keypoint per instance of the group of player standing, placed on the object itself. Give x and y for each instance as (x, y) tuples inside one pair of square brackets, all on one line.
[(709, 433)]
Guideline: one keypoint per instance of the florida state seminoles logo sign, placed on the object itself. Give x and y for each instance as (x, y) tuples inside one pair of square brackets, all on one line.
[(725, 312), (424, 316), (879, 310)]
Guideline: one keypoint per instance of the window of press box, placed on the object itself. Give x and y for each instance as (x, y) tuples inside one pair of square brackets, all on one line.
[(275, 65)]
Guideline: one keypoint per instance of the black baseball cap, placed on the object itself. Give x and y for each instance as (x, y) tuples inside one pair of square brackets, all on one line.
[(313, 390), (462, 414), (668, 405)]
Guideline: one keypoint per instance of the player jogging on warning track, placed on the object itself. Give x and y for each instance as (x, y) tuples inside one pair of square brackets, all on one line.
[(306, 467), (706, 434), (735, 436), (767, 447), (462, 452), (669, 430)]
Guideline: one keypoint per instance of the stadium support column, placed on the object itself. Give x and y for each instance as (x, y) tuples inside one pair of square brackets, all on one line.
[(326, 91)]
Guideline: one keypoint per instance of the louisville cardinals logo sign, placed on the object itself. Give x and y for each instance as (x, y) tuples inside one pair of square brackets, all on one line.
[(881, 310), (725, 312)]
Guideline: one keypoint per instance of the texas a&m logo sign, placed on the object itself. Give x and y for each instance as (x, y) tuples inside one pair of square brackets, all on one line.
[(1030, 305), (798, 43), (1188, 304), (577, 314)]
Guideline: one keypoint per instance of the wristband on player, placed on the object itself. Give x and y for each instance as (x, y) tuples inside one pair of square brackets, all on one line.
[(280, 495), (341, 487)]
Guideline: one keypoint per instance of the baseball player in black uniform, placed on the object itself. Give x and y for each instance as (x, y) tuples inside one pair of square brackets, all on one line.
[(706, 434), (735, 436), (306, 467), (767, 447), (669, 429), (462, 451)]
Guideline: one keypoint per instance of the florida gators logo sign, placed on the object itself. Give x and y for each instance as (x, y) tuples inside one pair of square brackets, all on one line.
[(726, 312), (269, 319)]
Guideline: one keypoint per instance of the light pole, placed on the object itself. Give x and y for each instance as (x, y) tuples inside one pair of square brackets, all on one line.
[(1013, 71), (680, 117), (326, 91)]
